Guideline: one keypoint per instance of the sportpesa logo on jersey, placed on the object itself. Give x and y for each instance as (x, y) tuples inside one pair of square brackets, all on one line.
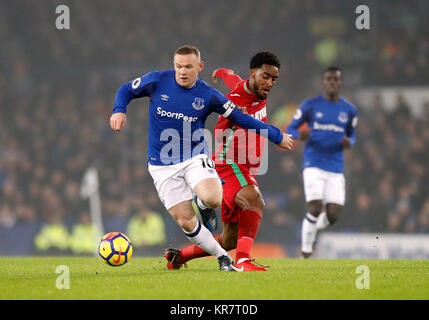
[(175, 115), (327, 127)]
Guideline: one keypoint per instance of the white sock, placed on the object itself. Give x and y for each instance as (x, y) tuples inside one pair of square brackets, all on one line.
[(322, 221), (201, 204), (203, 238), (308, 233)]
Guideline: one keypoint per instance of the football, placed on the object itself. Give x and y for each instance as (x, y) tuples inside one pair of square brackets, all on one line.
[(115, 249)]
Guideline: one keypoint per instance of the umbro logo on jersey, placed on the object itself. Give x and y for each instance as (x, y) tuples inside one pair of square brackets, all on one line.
[(164, 97), (234, 95), (319, 115), (255, 103)]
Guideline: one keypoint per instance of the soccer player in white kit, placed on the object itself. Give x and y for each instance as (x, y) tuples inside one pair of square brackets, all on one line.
[(332, 121), (178, 159)]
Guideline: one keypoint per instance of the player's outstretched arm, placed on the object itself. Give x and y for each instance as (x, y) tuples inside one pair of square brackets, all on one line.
[(271, 132), (137, 88), (298, 120), (228, 76)]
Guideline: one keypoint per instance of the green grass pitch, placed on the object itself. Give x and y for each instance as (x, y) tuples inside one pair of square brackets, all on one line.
[(147, 278)]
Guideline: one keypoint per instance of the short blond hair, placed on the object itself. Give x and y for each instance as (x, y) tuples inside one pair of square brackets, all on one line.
[(187, 49)]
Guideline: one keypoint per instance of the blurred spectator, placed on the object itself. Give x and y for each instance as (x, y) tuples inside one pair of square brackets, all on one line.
[(147, 229), (82, 236), (53, 237)]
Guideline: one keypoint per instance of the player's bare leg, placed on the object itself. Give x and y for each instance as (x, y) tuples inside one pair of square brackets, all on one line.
[(185, 216), (329, 216), (228, 237), (209, 191), (333, 211), (309, 227), (239, 235)]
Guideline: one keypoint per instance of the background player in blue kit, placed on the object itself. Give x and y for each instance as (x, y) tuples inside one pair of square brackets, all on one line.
[(178, 159), (332, 121)]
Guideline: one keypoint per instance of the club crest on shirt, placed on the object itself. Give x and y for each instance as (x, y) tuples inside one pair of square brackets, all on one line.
[(198, 103), (342, 117)]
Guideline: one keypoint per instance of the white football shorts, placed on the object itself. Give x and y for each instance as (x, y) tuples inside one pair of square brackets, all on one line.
[(175, 183), (324, 185)]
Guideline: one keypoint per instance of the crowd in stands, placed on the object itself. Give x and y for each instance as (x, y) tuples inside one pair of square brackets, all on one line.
[(57, 89)]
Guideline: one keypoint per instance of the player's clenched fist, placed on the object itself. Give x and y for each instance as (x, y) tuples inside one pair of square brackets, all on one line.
[(286, 142), (118, 120)]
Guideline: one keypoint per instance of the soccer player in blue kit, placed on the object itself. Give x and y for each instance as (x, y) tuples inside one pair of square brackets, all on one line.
[(332, 121), (178, 159)]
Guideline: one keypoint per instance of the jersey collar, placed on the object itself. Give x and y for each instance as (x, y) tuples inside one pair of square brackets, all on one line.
[(246, 88)]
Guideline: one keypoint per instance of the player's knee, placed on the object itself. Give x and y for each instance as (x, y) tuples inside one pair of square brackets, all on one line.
[(213, 200), (256, 205), (250, 199), (259, 204), (315, 207)]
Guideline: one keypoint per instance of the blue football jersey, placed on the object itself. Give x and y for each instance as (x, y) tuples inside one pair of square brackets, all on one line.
[(177, 115), (329, 122)]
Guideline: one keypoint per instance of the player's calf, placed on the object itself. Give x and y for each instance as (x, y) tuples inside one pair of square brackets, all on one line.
[(229, 236), (333, 211)]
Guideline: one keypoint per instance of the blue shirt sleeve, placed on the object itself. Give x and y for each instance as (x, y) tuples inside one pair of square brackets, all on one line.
[(350, 130), (140, 87), (301, 116), (226, 108)]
